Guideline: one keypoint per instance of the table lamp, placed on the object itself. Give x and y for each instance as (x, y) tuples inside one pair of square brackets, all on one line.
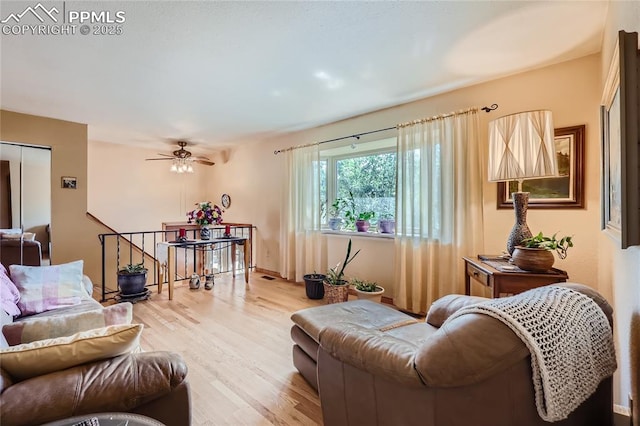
[(521, 146)]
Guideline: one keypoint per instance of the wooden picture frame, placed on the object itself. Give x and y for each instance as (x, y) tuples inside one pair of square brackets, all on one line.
[(564, 192), (620, 191), (69, 182)]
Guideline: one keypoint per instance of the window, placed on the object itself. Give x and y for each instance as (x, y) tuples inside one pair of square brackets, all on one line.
[(364, 179)]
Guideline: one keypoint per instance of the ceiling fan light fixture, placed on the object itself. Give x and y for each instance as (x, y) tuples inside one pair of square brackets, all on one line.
[(182, 161)]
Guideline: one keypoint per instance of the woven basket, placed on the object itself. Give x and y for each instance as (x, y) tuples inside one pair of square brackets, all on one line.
[(336, 293)]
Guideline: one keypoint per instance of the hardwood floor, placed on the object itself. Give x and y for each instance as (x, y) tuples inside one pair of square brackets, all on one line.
[(235, 340)]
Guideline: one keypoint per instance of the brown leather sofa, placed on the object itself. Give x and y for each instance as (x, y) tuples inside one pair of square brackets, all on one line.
[(20, 252), (375, 365), (153, 384)]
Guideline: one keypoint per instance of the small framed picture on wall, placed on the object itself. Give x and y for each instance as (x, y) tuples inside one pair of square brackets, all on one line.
[(69, 182)]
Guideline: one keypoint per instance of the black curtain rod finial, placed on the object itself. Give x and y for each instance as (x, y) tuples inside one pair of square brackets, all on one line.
[(489, 108)]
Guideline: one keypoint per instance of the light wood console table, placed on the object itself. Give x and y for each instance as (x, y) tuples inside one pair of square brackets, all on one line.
[(166, 255)]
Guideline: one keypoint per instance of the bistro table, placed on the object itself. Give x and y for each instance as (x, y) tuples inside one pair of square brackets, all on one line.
[(166, 256)]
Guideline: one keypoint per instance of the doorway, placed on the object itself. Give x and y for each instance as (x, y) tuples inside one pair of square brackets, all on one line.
[(25, 191)]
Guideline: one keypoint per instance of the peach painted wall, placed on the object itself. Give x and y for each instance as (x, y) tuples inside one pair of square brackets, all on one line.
[(74, 236), (128, 193), (619, 270), (570, 90)]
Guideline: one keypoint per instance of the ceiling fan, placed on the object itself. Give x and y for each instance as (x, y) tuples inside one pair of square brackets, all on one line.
[(182, 159)]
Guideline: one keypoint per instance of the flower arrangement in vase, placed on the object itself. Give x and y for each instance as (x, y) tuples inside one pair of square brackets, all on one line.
[(205, 214)]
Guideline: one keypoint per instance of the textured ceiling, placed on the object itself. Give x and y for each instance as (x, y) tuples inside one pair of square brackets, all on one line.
[(219, 73)]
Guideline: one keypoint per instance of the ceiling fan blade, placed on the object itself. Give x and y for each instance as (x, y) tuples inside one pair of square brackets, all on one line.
[(157, 159), (206, 163), (166, 155), (200, 157)]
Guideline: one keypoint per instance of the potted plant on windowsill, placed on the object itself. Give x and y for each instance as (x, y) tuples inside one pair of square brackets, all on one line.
[(362, 222), (535, 254), (132, 279), (367, 290), (353, 217), (361, 219), (335, 221), (387, 224), (336, 288)]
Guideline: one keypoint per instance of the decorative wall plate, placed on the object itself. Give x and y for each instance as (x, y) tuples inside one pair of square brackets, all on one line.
[(226, 201)]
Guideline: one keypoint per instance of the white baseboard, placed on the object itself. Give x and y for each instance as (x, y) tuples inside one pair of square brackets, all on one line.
[(621, 409)]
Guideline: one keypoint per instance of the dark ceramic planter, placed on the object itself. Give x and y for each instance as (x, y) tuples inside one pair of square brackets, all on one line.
[(313, 285), (132, 283)]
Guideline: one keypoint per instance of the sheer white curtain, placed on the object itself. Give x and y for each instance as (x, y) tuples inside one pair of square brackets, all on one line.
[(439, 207), (301, 242)]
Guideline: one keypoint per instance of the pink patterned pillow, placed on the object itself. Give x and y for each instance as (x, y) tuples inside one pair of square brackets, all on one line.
[(43, 288), (9, 294), (50, 327)]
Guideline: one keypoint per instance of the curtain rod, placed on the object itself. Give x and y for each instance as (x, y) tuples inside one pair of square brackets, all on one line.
[(357, 135)]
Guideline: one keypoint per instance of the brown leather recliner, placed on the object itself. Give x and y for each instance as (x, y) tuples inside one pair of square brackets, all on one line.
[(378, 366)]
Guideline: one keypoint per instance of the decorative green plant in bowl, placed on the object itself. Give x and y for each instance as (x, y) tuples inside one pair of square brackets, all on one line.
[(549, 243), (133, 268), (364, 285), (367, 289), (536, 253)]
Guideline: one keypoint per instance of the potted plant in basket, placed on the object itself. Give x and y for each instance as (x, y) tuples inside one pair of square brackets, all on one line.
[(536, 253), (132, 279), (367, 289), (336, 288), (205, 214)]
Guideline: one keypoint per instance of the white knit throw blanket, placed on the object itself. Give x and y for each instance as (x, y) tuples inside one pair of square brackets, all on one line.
[(569, 338)]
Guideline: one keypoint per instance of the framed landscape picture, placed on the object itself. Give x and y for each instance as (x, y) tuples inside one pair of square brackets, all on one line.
[(619, 112), (563, 192)]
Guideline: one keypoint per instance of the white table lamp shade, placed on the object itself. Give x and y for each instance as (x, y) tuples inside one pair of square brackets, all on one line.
[(521, 146)]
